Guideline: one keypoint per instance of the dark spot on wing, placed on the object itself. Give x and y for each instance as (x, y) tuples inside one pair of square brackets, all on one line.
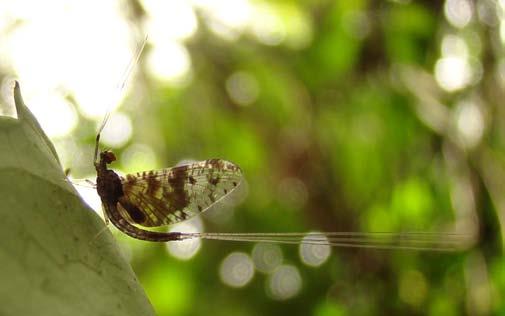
[(176, 197), (177, 177), (215, 163), (153, 184), (192, 180), (214, 181), (129, 182), (135, 213)]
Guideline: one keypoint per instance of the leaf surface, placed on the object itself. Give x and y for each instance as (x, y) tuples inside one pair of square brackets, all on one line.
[(52, 261)]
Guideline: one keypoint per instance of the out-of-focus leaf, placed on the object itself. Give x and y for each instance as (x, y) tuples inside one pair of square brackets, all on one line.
[(53, 263)]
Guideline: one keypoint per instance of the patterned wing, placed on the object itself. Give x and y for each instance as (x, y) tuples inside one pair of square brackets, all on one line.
[(168, 196)]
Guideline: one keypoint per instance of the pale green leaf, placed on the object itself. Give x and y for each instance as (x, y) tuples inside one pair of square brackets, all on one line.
[(52, 263)]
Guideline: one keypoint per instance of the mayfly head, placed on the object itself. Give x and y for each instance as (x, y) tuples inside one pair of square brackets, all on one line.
[(107, 156)]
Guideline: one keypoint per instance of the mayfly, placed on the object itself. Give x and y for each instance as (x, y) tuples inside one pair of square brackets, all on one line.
[(150, 199)]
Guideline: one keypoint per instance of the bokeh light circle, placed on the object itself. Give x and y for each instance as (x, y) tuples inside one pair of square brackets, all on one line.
[(185, 249), (118, 130), (242, 88), (266, 257), (285, 282), (314, 255), (237, 269)]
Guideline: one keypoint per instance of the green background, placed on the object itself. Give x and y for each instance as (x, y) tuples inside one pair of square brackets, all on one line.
[(349, 131)]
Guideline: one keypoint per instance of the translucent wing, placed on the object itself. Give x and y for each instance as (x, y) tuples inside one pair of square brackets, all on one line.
[(168, 196)]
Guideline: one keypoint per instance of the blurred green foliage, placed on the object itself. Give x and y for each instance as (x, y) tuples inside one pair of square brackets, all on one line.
[(333, 138)]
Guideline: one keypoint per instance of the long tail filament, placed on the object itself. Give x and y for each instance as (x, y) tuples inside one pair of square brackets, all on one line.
[(422, 241)]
